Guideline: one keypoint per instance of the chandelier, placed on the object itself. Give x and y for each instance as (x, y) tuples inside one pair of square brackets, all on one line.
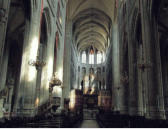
[(55, 81), (37, 63)]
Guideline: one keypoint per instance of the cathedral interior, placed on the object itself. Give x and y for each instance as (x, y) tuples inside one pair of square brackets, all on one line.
[(83, 63)]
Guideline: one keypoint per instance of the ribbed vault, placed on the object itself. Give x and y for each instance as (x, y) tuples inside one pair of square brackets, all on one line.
[(92, 20)]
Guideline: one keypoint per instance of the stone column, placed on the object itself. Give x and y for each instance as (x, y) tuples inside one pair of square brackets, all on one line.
[(4, 12), (3, 78), (80, 57), (165, 82), (87, 56), (152, 64), (140, 83), (67, 60), (25, 104), (133, 79), (78, 77), (116, 89), (95, 57), (123, 72), (10, 94)]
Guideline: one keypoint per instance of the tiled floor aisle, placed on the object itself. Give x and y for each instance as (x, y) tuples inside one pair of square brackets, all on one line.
[(89, 124)]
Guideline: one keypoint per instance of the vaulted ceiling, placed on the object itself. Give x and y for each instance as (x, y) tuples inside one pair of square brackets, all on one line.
[(92, 20)]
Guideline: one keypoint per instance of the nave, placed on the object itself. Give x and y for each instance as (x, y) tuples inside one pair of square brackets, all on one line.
[(83, 63)]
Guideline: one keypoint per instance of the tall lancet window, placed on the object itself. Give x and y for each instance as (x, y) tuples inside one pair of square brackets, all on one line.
[(99, 57), (91, 56), (83, 57)]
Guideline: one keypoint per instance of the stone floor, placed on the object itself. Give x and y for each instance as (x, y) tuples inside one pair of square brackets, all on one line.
[(89, 124)]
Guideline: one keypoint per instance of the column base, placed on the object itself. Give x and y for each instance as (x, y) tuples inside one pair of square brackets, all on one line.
[(1, 109), (155, 115), (134, 111), (121, 110)]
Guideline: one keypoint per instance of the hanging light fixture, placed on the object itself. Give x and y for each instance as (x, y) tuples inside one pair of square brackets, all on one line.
[(37, 63), (55, 81)]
